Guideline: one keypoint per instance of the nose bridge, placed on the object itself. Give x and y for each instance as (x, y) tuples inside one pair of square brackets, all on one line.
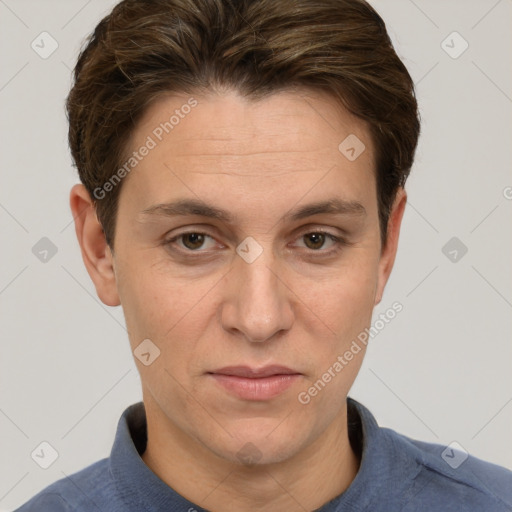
[(260, 306)]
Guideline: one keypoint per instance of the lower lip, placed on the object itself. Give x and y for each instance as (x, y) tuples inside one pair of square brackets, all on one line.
[(263, 388)]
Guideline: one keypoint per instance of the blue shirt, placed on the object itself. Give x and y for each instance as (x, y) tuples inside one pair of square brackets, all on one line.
[(397, 474)]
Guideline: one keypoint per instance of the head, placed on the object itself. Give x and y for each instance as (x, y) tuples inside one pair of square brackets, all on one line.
[(243, 168)]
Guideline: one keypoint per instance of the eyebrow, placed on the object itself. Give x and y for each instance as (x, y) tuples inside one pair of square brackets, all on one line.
[(184, 207)]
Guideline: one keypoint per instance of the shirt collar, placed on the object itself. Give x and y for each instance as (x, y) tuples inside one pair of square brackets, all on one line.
[(138, 486), (382, 465), (386, 469)]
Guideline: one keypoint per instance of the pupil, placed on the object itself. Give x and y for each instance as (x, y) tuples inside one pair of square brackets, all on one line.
[(196, 240), (319, 237)]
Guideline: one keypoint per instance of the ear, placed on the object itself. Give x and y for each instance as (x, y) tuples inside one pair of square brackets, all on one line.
[(96, 253), (388, 251)]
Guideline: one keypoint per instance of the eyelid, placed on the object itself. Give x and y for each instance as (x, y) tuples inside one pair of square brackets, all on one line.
[(338, 243), (174, 238), (338, 239)]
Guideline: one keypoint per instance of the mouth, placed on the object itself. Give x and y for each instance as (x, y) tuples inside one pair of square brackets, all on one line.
[(257, 384)]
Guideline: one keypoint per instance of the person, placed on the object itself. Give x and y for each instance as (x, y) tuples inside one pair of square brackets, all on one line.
[(242, 168)]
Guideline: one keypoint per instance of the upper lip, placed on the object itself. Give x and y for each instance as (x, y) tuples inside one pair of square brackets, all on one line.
[(254, 373)]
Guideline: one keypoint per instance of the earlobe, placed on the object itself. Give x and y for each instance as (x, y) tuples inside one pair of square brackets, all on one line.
[(389, 250), (96, 253)]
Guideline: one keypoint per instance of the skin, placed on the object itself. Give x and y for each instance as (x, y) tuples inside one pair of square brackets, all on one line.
[(290, 306)]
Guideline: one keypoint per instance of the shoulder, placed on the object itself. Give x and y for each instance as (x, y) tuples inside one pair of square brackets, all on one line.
[(85, 490), (448, 478)]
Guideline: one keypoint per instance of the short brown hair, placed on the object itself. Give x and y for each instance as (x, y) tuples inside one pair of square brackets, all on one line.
[(144, 48)]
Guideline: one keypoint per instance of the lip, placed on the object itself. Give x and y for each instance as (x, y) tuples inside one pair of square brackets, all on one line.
[(254, 373), (255, 383)]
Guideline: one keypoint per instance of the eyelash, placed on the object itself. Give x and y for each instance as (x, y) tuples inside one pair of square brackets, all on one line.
[(338, 241)]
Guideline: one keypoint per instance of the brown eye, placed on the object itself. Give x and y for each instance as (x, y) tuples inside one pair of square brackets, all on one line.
[(192, 241), (317, 240)]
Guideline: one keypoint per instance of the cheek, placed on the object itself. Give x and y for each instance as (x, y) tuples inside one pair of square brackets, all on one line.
[(345, 299), (166, 305), (163, 306), (345, 305)]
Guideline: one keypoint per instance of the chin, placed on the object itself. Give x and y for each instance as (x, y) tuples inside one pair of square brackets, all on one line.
[(256, 447)]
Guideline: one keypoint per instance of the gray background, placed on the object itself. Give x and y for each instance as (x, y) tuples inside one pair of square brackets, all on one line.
[(440, 371)]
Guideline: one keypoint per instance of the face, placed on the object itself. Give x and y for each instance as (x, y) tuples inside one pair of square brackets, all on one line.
[(253, 292)]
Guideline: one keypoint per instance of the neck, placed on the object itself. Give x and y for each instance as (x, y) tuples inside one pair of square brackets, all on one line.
[(311, 478)]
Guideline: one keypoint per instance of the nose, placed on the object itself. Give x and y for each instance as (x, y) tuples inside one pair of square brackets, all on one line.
[(257, 304)]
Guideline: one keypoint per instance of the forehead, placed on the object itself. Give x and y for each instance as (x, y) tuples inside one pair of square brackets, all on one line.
[(251, 151), (299, 120)]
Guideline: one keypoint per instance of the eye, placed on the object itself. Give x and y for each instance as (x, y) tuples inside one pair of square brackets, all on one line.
[(315, 240), (191, 241), (195, 241)]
